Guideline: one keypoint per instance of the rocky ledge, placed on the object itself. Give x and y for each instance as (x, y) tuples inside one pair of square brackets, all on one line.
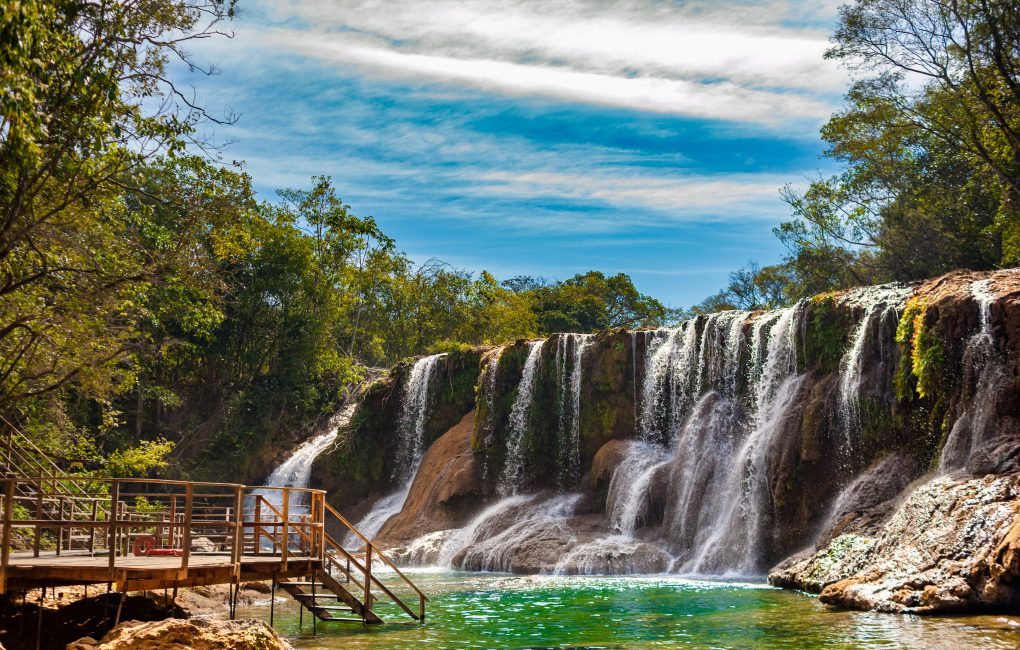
[(198, 634), (952, 545)]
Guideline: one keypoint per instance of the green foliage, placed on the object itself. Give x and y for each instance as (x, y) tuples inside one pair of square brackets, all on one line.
[(931, 162), (588, 302), (139, 461), (921, 369)]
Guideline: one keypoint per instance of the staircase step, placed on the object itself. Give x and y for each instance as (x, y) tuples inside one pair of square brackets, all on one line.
[(316, 596), (331, 608)]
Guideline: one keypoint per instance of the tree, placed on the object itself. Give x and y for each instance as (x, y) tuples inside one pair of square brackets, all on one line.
[(86, 103), (931, 144)]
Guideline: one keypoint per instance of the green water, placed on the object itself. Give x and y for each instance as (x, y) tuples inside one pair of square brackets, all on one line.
[(499, 611)]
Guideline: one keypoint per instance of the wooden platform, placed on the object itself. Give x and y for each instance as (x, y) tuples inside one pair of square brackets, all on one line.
[(24, 571)]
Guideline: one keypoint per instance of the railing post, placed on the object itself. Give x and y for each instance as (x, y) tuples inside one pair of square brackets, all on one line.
[(256, 532), (60, 527), (320, 521), (173, 521), (92, 529), (38, 515), (111, 527), (238, 527), (5, 552), (285, 536), (368, 577), (189, 495)]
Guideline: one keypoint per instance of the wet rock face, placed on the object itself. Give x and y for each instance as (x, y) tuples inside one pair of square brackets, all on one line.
[(198, 634), (446, 490), (953, 545), (361, 464), (605, 399)]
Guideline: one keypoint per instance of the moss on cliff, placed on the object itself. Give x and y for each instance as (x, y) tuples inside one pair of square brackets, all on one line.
[(824, 335), (922, 364)]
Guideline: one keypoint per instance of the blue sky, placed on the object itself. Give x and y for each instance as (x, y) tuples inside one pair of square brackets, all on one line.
[(539, 138)]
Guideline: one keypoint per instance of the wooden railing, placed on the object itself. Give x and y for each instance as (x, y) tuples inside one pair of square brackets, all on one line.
[(120, 518)]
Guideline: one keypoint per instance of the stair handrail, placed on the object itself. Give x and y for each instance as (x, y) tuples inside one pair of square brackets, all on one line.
[(36, 463), (372, 577), (375, 549)]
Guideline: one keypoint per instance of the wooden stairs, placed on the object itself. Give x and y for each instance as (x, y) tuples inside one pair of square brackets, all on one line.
[(60, 529), (329, 600)]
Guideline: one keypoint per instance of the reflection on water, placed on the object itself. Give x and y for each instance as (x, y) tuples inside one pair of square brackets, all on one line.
[(500, 611)]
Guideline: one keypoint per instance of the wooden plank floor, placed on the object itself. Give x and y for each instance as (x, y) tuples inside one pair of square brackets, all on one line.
[(26, 571)]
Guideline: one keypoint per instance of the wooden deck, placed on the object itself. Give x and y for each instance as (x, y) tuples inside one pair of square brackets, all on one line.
[(25, 571), (137, 534)]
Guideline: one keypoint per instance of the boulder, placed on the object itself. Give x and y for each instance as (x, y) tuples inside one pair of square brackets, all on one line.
[(953, 545), (197, 634), (446, 489)]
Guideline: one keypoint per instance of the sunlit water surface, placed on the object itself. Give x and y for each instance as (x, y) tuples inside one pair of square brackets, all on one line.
[(470, 610)]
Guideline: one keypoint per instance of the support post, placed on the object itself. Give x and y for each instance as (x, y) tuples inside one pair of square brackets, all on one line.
[(111, 527), (5, 551), (189, 497), (272, 601)]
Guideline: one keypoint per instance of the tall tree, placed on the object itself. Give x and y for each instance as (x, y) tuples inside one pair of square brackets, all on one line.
[(87, 101), (931, 144)]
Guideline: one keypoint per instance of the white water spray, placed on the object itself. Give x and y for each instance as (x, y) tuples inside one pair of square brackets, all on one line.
[(513, 470)]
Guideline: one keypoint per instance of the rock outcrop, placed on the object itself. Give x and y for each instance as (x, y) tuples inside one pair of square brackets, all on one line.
[(197, 634), (953, 545), (446, 491)]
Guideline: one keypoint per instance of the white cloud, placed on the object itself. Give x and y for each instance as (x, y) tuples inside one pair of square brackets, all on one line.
[(697, 196), (723, 61)]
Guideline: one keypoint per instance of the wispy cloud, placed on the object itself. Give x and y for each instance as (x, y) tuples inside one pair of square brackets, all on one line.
[(527, 136), (697, 196), (686, 59)]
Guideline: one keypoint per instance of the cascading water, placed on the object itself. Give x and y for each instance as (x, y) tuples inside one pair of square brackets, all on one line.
[(730, 540), (720, 404), (513, 470), (413, 420), (570, 364), (882, 305), (414, 417), (296, 470), (495, 538), (628, 497), (985, 371)]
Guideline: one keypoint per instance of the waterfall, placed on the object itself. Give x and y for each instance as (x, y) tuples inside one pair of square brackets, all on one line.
[(722, 405), (628, 499), (985, 373), (514, 470), (881, 305), (414, 416), (569, 364), (296, 470), (730, 538)]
